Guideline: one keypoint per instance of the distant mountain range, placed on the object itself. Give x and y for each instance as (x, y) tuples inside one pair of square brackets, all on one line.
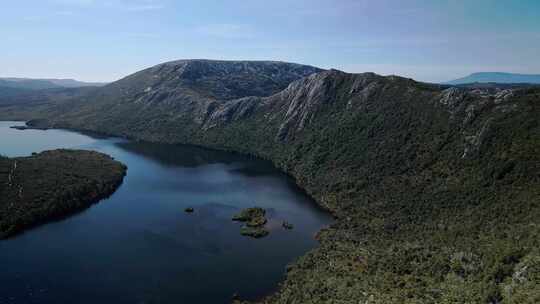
[(496, 77), (40, 84)]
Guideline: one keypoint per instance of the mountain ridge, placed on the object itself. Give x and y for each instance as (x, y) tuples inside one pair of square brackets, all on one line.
[(435, 189), (44, 83)]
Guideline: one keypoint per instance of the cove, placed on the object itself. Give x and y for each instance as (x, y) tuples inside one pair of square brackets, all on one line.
[(139, 246)]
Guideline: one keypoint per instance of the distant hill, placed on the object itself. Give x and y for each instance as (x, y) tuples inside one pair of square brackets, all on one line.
[(496, 77), (9, 92), (40, 84), (10, 96)]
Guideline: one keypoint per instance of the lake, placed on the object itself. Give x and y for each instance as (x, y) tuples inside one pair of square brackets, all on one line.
[(139, 246)]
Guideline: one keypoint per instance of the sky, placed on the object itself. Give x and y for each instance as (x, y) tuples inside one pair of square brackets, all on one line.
[(428, 40)]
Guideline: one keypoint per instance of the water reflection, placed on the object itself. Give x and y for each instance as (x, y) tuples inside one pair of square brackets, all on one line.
[(139, 246)]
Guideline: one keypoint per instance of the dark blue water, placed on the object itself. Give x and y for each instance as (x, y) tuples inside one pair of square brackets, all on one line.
[(139, 246)]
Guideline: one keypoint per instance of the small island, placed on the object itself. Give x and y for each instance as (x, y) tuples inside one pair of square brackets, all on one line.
[(53, 184), (254, 219)]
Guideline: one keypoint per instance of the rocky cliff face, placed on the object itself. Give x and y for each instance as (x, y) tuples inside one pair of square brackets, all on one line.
[(175, 95), (435, 190), (220, 80)]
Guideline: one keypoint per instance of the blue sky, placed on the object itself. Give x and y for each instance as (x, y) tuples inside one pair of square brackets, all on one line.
[(435, 40)]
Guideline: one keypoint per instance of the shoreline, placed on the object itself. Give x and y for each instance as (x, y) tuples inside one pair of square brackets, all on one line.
[(91, 133), (33, 181), (293, 178)]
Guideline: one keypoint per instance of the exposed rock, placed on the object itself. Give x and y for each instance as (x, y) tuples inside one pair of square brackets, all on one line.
[(452, 97), (189, 210), (503, 96), (474, 142), (287, 225)]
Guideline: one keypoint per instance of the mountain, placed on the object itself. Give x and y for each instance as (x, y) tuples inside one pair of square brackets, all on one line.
[(40, 84), (497, 77), (210, 79), (187, 90), (28, 84), (435, 190)]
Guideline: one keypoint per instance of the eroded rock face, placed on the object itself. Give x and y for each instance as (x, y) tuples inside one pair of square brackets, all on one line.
[(184, 94), (299, 103), (303, 98), (469, 105), (231, 111), (218, 80), (452, 97)]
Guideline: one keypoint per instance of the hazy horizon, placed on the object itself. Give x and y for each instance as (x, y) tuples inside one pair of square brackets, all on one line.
[(434, 41)]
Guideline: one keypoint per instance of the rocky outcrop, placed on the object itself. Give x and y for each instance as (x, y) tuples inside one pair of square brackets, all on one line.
[(184, 94), (254, 219), (287, 225), (193, 80)]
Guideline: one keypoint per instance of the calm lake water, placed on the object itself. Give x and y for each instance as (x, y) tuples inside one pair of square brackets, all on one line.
[(139, 246)]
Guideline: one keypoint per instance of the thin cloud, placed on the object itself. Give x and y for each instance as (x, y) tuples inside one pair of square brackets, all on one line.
[(226, 30), (143, 36), (32, 18), (65, 13), (132, 6), (75, 2), (142, 8)]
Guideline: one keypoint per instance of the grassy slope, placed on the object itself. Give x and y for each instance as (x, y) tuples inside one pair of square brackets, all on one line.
[(53, 184)]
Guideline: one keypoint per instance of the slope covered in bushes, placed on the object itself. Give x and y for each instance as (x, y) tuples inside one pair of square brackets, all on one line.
[(436, 191)]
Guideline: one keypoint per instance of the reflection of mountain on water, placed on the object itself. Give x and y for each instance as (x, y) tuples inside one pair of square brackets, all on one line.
[(192, 156)]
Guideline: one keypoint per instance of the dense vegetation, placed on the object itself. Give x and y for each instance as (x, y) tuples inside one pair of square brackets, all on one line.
[(436, 191), (53, 184), (436, 202)]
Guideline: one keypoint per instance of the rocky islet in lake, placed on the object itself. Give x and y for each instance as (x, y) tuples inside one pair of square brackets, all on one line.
[(254, 220)]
